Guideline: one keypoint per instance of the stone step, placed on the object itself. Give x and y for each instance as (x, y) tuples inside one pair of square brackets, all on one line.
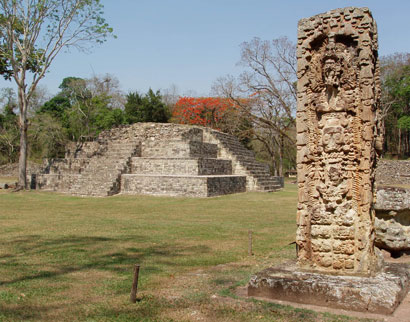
[(166, 166), (261, 169), (175, 185), (269, 189), (178, 149)]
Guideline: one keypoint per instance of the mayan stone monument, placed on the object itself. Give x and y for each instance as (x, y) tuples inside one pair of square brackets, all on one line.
[(337, 132), (157, 159), (338, 142)]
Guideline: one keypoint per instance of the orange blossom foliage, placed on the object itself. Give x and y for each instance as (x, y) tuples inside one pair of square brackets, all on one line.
[(205, 111)]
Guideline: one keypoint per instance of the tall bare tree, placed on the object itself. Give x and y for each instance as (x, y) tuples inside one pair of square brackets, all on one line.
[(266, 92), (32, 34)]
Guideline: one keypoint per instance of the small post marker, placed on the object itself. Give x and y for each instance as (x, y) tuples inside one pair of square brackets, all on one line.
[(133, 295), (250, 242)]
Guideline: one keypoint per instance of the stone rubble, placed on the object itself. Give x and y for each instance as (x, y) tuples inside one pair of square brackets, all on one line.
[(392, 222)]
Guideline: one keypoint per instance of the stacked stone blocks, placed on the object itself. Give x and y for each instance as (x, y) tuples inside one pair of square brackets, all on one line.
[(244, 163), (157, 159)]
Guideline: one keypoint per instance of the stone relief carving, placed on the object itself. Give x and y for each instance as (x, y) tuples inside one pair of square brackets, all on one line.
[(337, 141)]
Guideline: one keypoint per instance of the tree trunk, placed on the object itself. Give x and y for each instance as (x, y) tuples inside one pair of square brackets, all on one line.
[(23, 155), (281, 148), (408, 143), (399, 144), (23, 140), (274, 166)]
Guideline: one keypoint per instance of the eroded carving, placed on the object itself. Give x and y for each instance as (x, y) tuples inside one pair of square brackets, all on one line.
[(337, 131)]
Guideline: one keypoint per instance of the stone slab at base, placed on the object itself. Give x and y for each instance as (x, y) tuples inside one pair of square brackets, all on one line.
[(178, 185), (379, 294)]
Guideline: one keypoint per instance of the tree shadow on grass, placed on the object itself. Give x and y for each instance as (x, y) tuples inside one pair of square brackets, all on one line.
[(24, 312), (34, 263), (79, 253)]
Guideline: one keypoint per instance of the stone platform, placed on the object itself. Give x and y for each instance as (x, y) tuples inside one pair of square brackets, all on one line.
[(381, 293), (157, 159)]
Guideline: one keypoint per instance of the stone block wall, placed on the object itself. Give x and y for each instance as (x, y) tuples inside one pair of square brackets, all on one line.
[(393, 172), (392, 221), (85, 149), (243, 162), (68, 165), (57, 182), (191, 186), (134, 159), (178, 149), (175, 166)]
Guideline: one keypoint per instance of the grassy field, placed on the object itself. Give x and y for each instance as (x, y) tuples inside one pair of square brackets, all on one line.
[(65, 258)]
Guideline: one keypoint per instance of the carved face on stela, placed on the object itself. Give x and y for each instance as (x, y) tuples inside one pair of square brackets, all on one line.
[(334, 73), (336, 57), (333, 134)]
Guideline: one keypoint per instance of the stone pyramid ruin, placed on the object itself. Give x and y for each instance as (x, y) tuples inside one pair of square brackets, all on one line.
[(158, 159)]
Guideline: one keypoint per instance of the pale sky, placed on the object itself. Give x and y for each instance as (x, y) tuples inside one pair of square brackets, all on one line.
[(190, 43)]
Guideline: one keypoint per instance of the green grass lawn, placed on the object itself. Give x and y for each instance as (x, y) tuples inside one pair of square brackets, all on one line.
[(65, 258)]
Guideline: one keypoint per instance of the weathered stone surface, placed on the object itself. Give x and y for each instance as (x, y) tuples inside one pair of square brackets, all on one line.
[(153, 158), (174, 166), (337, 137), (393, 172), (381, 293), (393, 219), (337, 125), (392, 199), (11, 169), (177, 185)]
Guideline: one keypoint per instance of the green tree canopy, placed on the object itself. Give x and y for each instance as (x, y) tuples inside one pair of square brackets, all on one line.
[(32, 34), (146, 108), (82, 111)]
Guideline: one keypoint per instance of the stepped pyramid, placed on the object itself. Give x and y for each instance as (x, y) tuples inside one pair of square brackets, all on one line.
[(158, 159)]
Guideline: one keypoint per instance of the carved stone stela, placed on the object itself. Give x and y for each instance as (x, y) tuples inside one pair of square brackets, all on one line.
[(338, 141)]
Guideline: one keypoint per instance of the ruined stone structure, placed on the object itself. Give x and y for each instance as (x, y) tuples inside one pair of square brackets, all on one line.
[(338, 142), (158, 159), (393, 172), (392, 223)]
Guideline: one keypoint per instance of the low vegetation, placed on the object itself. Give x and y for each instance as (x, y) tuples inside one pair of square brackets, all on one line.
[(66, 258)]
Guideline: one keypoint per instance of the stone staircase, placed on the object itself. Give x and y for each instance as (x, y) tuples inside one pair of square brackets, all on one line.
[(102, 176), (97, 175), (158, 159), (181, 166), (244, 162)]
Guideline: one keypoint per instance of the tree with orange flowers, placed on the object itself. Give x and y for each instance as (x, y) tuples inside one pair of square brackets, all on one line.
[(205, 111), (219, 113)]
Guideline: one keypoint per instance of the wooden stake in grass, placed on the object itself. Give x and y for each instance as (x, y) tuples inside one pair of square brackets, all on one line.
[(250, 242), (133, 295)]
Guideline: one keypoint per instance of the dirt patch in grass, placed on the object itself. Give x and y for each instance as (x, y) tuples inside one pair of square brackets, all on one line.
[(211, 295)]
